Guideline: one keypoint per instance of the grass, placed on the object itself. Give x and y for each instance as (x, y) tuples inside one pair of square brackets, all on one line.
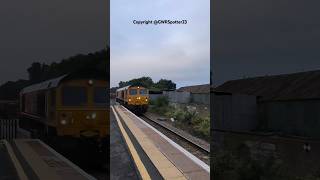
[(184, 118), (238, 165)]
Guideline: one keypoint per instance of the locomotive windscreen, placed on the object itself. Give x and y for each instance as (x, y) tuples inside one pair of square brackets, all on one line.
[(74, 96)]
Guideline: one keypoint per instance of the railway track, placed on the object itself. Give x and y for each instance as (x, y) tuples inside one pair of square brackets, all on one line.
[(196, 149)]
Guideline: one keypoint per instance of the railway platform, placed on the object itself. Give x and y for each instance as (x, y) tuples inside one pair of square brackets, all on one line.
[(153, 154), (28, 159), (122, 166)]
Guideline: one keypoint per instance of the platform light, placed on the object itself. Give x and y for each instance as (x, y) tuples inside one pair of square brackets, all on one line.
[(129, 99)]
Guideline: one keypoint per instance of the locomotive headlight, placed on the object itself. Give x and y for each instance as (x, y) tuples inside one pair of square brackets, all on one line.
[(93, 115), (63, 121), (129, 99), (90, 82), (146, 99), (138, 98)]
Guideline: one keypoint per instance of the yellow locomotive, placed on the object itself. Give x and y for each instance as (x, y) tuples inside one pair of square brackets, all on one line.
[(135, 98), (70, 109)]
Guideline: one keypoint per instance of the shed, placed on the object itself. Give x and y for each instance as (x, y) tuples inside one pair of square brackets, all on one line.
[(196, 89), (199, 94), (287, 103)]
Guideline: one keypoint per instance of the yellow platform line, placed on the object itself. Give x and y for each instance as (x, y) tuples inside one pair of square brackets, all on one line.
[(165, 167), (41, 169), (19, 169), (140, 166)]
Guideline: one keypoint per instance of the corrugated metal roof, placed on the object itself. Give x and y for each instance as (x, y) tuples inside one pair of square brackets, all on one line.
[(200, 89), (43, 85), (296, 86)]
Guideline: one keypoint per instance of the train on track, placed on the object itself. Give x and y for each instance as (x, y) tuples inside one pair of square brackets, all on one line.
[(135, 98), (70, 110)]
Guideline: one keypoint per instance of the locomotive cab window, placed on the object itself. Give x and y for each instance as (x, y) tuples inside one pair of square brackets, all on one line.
[(143, 91), (100, 95), (133, 92), (74, 96)]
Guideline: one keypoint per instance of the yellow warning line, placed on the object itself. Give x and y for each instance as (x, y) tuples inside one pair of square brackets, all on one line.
[(166, 168), (21, 174), (140, 166)]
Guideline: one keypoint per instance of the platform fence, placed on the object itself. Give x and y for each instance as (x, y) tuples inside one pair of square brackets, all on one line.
[(9, 128)]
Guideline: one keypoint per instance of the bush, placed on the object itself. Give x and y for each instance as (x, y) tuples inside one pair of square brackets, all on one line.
[(161, 101), (202, 126), (152, 102), (186, 118), (159, 105), (240, 164)]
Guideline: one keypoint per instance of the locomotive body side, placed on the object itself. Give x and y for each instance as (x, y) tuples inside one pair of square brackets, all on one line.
[(69, 112)]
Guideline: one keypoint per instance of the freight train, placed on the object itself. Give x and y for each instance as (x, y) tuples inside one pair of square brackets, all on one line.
[(135, 98), (70, 110)]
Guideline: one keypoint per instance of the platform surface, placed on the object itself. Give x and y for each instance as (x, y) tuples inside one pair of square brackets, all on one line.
[(121, 164), (171, 160), (28, 159)]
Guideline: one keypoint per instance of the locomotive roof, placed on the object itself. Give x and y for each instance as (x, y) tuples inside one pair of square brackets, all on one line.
[(51, 83), (126, 87), (123, 88)]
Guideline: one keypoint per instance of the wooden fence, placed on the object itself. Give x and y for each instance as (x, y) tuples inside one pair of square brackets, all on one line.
[(9, 128)]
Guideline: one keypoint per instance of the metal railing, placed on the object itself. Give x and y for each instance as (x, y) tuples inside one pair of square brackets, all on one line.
[(9, 128)]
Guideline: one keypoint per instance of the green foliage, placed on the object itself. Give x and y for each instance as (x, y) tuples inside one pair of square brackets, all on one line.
[(177, 114), (164, 84), (40, 72), (224, 162), (98, 61), (151, 102), (10, 90), (239, 165), (147, 82), (308, 177), (188, 119), (160, 105), (185, 118), (162, 101), (143, 81), (202, 126)]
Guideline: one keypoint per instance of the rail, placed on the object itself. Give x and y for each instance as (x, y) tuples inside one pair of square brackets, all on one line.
[(190, 141)]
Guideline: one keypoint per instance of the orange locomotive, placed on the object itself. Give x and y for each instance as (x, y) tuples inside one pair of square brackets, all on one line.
[(135, 98), (71, 109)]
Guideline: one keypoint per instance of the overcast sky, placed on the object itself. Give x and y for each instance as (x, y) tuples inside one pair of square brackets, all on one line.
[(176, 52), (48, 30), (265, 37)]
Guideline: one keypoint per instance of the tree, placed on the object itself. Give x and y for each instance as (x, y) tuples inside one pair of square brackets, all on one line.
[(98, 61), (35, 72), (38, 72), (143, 81), (164, 84), (122, 84), (147, 82)]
